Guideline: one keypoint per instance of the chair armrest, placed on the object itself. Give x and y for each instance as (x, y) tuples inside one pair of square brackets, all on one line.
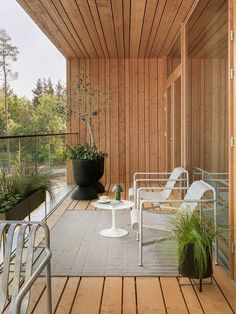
[(136, 174), (143, 188), (28, 284), (160, 207), (158, 188), (178, 201), (169, 207), (175, 201), (164, 180)]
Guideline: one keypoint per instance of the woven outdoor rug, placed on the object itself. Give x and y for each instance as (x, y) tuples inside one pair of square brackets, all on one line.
[(79, 250)]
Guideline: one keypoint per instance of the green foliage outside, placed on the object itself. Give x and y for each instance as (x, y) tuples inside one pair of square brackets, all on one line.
[(45, 113), (49, 116), (27, 118)]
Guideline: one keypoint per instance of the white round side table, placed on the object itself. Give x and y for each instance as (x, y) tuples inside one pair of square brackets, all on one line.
[(114, 232)]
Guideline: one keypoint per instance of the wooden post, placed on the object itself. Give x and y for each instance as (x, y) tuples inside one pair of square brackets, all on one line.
[(232, 134), (184, 87)]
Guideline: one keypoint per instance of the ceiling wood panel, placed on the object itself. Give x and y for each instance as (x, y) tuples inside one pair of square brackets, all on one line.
[(155, 25), (55, 37), (208, 30), (50, 9), (106, 18), (167, 19), (126, 14), (150, 13), (117, 12), (96, 19), (136, 25), (109, 28), (181, 15), (67, 21), (76, 18), (90, 26)]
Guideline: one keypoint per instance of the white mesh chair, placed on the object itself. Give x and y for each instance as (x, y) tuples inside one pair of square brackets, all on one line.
[(13, 234), (178, 175), (192, 201)]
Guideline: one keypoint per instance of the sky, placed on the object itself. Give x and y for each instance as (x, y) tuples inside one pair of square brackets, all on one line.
[(38, 57)]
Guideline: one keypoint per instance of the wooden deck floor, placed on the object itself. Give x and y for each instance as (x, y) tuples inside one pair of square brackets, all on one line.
[(131, 294)]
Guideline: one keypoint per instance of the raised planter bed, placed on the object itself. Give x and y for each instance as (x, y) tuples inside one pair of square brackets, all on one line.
[(25, 207)]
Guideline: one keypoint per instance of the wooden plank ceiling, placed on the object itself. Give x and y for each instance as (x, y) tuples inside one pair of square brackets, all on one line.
[(208, 30), (109, 28)]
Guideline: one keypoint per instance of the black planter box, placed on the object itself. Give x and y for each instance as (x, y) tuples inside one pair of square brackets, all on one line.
[(188, 267), (25, 207)]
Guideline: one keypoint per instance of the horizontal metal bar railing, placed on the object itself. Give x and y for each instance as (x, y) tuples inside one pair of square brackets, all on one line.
[(36, 135)]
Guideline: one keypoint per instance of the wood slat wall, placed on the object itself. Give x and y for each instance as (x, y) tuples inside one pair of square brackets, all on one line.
[(132, 128), (208, 115)]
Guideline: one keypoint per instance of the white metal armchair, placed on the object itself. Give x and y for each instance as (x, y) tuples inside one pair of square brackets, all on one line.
[(178, 175), (192, 200), (15, 233)]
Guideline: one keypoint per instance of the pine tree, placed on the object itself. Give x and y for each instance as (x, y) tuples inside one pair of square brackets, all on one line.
[(61, 98), (45, 86), (37, 92), (8, 53), (50, 88), (60, 89)]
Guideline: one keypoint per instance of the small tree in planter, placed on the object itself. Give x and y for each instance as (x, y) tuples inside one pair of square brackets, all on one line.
[(92, 103), (89, 98), (86, 170)]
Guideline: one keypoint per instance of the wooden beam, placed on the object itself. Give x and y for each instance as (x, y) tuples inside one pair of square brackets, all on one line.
[(232, 134), (184, 87)]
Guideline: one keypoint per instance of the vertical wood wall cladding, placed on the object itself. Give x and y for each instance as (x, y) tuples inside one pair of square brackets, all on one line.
[(208, 115), (132, 128)]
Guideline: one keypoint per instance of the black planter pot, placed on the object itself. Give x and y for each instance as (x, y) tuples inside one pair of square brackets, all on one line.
[(188, 267), (84, 173), (98, 186)]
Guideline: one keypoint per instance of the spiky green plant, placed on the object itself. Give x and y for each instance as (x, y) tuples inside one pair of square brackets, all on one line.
[(198, 232), (35, 181), (17, 185)]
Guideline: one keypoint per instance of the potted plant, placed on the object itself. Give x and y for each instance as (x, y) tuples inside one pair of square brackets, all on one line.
[(87, 168), (21, 193), (195, 236), (92, 102)]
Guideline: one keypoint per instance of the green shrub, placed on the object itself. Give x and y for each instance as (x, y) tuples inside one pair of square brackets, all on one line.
[(85, 152)]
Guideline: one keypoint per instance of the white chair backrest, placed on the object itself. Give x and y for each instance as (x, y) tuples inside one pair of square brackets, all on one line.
[(174, 177), (196, 192)]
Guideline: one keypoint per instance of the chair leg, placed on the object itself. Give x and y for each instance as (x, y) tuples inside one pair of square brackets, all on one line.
[(49, 288), (140, 238), (140, 251), (200, 285)]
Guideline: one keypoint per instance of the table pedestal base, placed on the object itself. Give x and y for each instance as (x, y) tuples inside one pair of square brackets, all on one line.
[(113, 233)]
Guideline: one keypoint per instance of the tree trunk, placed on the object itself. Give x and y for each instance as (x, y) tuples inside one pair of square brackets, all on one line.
[(6, 115), (91, 133)]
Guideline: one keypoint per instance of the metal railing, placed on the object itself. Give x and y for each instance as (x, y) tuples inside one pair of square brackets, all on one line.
[(220, 181), (36, 148)]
